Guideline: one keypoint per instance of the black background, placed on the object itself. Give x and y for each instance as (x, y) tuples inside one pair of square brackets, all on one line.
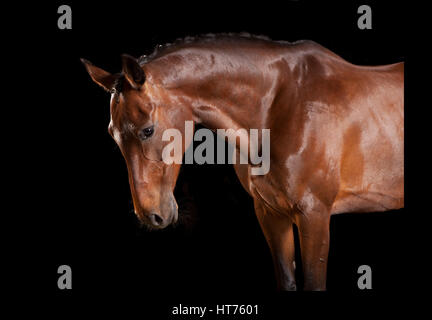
[(83, 214)]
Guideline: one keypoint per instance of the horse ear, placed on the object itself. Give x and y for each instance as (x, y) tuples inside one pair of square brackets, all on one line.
[(103, 78), (133, 71)]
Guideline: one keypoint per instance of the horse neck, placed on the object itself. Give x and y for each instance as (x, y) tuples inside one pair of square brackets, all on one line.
[(233, 100), (227, 90)]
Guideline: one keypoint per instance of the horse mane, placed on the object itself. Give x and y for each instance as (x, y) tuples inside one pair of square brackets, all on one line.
[(159, 50)]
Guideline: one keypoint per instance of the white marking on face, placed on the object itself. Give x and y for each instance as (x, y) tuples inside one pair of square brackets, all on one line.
[(117, 136)]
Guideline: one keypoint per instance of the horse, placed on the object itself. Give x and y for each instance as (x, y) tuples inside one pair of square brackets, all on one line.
[(337, 134)]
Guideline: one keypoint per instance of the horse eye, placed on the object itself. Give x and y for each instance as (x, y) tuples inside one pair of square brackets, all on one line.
[(146, 133)]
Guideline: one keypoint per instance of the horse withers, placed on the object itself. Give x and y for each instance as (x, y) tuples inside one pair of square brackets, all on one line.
[(336, 134)]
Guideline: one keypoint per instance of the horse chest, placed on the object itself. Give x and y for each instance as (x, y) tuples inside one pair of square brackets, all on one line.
[(264, 188), (273, 197)]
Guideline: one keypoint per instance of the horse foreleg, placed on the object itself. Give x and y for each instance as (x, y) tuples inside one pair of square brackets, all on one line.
[(278, 231), (314, 236)]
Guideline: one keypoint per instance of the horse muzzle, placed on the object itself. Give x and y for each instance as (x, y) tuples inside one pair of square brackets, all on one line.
[(160, 220)]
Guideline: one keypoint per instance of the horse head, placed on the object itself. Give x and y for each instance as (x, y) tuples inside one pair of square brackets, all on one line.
[(141, 111)]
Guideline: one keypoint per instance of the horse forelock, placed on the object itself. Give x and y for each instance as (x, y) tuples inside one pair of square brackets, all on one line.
[(117, 87)]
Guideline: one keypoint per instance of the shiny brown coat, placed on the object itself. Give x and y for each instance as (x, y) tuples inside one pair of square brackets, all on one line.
[(337, 134)]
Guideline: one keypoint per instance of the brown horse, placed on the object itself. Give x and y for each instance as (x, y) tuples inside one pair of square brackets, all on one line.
[(336, 133)]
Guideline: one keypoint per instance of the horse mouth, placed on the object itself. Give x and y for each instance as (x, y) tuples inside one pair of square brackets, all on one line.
[(174, 218)]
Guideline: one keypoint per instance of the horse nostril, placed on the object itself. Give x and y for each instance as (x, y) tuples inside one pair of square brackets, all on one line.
[(156, 219)]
